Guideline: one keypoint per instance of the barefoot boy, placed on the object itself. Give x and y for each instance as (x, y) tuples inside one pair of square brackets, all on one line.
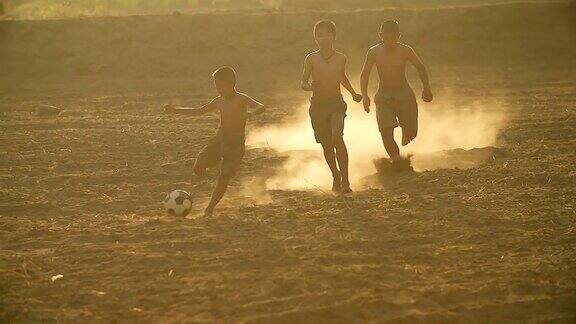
[(395, 101), (228, 143), (327, 68)]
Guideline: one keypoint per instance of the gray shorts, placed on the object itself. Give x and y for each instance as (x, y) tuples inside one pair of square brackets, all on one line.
[(327, 116), (230, 153), (397, 107)]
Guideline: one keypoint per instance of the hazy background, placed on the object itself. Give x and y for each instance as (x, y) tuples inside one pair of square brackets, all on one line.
[(176, 53), (51, 9)]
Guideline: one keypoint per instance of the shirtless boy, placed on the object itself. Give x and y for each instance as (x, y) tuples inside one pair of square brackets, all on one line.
[(327, 67), (395, 101), (228, 143)]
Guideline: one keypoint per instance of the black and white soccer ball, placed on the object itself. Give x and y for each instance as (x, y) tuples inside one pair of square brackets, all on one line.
[(178, 203)]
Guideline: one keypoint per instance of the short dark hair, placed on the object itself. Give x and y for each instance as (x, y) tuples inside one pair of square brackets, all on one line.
[(390, 26), (328, 24), (225, 73)]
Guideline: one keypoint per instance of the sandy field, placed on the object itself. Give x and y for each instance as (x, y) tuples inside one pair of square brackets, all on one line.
[(484, 229)]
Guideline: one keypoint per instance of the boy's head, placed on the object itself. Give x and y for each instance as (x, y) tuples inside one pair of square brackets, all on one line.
[(225, 80), (325, 33), (390, 32)]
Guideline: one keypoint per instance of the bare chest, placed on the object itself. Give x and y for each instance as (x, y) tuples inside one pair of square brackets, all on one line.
[(232, 110), (326, 69), (390, 59)]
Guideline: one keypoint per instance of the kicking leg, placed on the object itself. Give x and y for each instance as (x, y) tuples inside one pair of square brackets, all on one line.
[(200, 170), (208, 157), (199, 180)]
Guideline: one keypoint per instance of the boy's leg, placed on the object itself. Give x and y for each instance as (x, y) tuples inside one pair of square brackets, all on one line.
[(321, 123), (231, 159), (337, 126), (200, 169), (390, 145), (387, 121), (342, 158), (218, 193), (330, 157), (208, 157), (408, 119), (407, 136)]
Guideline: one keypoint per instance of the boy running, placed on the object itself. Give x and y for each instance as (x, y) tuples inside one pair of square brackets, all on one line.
[(395, 101), (228, 143), (327, 67)]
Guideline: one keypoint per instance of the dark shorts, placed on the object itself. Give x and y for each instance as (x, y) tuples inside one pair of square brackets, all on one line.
[(397, 107), (229, 152), (327, 116)]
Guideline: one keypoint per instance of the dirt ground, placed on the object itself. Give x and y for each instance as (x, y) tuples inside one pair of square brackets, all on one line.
[(81, 197)]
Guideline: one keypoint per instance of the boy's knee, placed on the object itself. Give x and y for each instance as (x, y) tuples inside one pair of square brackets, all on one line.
[(224, 178), (327, 145), (337, 140), (387, 134)]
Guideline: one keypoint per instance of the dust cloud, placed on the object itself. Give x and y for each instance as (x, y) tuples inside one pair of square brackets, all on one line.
[(446, 124)]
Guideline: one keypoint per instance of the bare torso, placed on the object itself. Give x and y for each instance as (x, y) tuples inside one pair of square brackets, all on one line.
[(391, 65), (233, 115), (327, 74)]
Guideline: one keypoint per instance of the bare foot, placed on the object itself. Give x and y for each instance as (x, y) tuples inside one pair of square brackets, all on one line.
[(407, 137), (208, 212), (346, 187), (405, 140)]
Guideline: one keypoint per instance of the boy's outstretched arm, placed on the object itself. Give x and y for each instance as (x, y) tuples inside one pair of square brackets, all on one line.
[(423, 73), (347, 85), (254, 105), (170, 109), (365, 78), (306, 85)]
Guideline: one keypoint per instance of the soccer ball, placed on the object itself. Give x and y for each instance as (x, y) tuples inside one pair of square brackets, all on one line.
[(178, 203)]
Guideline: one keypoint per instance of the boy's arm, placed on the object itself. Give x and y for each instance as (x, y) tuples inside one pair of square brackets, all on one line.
[(346, 83), (365, 78), (423, 73), (305, 85), (254, 105), (169, 109)]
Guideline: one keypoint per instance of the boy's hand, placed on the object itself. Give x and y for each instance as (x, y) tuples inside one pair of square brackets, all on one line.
[(169, 108), (357, 97), (366, 102), (427, 95), (310, 85)]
